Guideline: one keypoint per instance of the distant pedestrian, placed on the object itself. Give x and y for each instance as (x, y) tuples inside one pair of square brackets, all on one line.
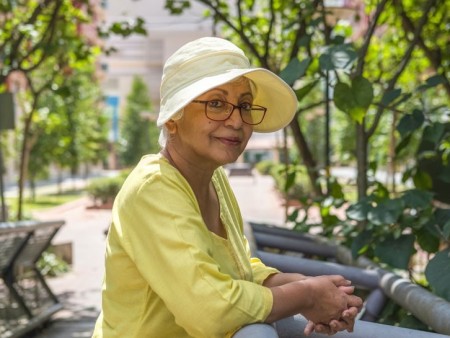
[(177, 262)]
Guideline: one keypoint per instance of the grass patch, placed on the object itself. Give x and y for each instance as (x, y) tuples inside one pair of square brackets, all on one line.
[(42, 202)]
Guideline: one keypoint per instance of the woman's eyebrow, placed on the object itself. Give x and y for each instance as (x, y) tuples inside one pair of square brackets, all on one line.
[(247, 94), (225, 92)]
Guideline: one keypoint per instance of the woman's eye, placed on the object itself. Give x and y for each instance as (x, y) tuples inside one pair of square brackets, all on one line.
[(215, 104), (246, 106)]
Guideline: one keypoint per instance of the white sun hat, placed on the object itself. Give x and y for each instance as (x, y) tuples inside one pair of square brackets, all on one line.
[(209, 62)]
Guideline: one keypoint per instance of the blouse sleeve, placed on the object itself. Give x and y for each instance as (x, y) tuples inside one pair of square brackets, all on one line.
[(165, 236), (260, 270)]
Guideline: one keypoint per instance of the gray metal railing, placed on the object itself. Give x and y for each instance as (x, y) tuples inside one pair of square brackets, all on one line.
[(427, 307)]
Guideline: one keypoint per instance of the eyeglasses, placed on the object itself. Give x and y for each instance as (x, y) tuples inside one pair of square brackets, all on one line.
[(218, 110)]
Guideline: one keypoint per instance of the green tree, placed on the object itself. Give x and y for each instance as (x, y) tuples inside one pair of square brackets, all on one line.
[(45, 35), (69, 128), (139, 133)]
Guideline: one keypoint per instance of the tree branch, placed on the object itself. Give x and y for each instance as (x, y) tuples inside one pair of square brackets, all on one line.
[(310, 106), (370, 31), (432, 55), (269, 31), (403, 63), (238, 31), (301, 31)]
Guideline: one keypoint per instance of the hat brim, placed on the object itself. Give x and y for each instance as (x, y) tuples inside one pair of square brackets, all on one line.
[(271, 92)]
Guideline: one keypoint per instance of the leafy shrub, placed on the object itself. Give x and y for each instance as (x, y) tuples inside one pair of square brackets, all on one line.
[(51, 265), (105, 189), (295, 184), (264, 167)]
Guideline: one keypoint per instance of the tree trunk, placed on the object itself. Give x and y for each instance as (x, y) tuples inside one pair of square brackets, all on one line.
[(307, 157), (391, 157), (361, 159), (24, 158)]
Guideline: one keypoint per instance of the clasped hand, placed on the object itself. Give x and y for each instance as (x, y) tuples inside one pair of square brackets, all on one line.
[(337, 309)]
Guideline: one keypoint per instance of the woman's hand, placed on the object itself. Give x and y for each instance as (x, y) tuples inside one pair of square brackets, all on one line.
[(345, 322), (326, 300)]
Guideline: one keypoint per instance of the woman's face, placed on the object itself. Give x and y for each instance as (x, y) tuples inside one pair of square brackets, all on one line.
[(209, 143)]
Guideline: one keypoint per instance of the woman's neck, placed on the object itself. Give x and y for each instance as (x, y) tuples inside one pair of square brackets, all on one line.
[(198, 177), (203, 188)]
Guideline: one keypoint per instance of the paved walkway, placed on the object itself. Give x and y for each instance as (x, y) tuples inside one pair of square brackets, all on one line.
[(79, 290)]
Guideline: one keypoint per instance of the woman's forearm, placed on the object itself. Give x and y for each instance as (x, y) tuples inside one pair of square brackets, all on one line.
[(289, 298), (281, 278)]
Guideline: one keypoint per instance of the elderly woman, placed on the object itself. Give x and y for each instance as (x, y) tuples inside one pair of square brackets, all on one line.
[(177, 262)]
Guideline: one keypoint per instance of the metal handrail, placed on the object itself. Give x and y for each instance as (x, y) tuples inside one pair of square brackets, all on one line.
[(294, 326), (427, 307)]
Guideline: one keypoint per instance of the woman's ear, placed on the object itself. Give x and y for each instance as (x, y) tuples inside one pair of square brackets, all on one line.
[(171, 127)]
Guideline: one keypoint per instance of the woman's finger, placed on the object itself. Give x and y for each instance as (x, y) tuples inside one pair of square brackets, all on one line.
[(309, 328), (323, 329)]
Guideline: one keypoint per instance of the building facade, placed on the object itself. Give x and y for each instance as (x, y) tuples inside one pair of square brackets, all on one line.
[(144, 56)]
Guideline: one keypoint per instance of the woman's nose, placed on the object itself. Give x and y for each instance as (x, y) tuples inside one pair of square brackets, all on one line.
[(235, 119)]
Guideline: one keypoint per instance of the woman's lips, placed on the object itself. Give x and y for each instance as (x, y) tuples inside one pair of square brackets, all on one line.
[(230, 140)]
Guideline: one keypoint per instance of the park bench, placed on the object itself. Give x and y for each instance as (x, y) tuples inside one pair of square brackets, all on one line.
[(26, 300), (239, 169)]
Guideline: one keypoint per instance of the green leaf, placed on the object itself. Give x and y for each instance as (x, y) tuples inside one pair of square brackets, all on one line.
[(290, 180), (357, 114), (390, 96), (435, 80), (417, 199), (343, 98), (438, 273), (432, 81), (302, 92), (442, 216), (359, 210), (177, 7), (396, 252), (337, 57), (446, 230), (404, 98), (338, 39), (362, 91), (434, 132), (294, 70), (355, 99), (361, 243), (293, 216), (387, 212), (336, 190), (427, 240), (403, 143), (422, 180), (411, 122)]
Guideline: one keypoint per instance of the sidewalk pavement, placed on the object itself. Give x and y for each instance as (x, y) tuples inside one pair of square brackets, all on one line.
[(79, 290)]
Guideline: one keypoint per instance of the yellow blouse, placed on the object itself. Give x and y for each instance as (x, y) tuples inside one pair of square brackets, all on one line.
[(167, 275)]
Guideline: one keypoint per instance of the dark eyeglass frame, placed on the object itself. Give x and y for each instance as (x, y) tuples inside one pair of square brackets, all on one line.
[(252, 107)]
